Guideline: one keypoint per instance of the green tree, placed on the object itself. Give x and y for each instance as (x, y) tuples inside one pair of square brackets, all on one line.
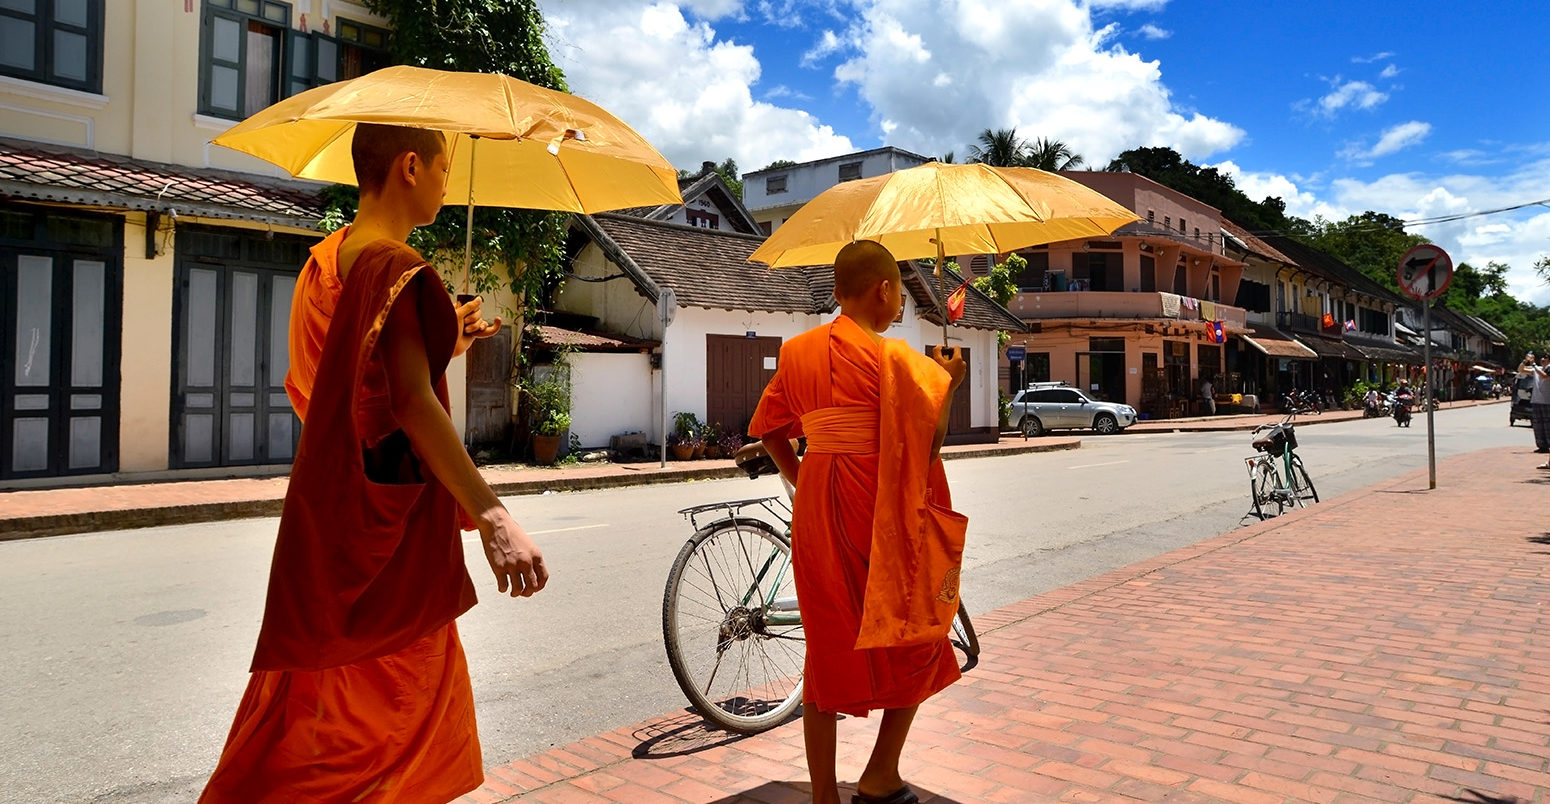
[(1372, 242), (999, 148), (728, 172), (1542, 267), (778, 164), (1209, 185), (1001, 284), (517, 249), (1052, 155)]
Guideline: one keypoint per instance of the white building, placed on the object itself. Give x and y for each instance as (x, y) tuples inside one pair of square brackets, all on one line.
[(773, 194)]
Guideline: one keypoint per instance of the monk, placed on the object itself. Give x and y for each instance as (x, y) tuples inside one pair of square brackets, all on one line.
[(359, 689), (855, 396)]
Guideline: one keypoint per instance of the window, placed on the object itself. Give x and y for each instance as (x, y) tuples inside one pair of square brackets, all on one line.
[(55, 42), (1167, 222), (1151, 216), (1032, 277), (1182, 227), (362, 49), (766, 227), (1197, 232), (239, 55), (704, 220), (775, 184), (850, 171)]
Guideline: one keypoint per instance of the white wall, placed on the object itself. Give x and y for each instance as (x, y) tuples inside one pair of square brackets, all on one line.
[(684, 349), (805, 181), (607, 392)]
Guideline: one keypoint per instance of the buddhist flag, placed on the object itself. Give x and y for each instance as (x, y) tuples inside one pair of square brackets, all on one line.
[(955, 302)]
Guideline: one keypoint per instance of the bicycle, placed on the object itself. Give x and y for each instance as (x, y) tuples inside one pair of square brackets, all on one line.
[(1273, 441), (730, 619)]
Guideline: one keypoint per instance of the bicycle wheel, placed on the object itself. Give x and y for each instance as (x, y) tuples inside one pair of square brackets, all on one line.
[(731, 626), (1303, 491), (966, 643), (1263, 482)]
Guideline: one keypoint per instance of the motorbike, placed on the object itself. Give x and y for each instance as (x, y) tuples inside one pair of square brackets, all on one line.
[(1403, 401), (1301, 401)]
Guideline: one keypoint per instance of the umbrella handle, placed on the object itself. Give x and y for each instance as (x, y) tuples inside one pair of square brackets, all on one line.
[(941, 288), (468, 236)]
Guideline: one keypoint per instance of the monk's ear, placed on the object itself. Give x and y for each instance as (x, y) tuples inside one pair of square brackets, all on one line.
[(407, 166)]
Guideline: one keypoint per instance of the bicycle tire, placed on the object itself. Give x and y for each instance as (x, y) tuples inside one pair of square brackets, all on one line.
[(966, 643), (757, 692), (1302, 485), (1263, 483)]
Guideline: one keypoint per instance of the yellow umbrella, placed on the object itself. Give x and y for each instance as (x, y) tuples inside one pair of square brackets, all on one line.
[(938, 209), (537, 148)]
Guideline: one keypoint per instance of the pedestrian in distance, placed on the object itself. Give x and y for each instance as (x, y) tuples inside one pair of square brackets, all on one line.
[(359, 689), (875, 545), (1207, 396), (1538, 401)]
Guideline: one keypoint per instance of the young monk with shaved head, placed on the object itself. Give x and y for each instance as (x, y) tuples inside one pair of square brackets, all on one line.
[(874, 412), (359, 689)]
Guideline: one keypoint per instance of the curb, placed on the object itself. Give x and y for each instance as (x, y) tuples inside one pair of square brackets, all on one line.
[(1207, 426), (30, 527)]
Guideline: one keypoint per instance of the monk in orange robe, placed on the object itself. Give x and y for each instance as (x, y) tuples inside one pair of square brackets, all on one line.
[(874, 414), (360, 689)]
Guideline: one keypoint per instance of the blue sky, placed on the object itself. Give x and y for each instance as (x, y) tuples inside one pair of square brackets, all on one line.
[(1417, 109)]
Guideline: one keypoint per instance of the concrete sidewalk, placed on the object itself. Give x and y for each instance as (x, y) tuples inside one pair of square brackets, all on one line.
[(1386, 646), (1248, 421), (51, 512)]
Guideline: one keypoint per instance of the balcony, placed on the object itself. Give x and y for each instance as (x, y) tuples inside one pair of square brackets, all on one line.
[(1311, 324), (1033, 306)]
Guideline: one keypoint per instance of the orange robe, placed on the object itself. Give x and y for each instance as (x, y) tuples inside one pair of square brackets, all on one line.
[(360, 689), (829, 387)]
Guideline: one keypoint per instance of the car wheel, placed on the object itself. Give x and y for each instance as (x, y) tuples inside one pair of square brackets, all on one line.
[(1031, 427), (1105, 424)]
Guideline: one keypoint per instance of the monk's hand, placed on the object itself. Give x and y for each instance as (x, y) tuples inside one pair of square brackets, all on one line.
[(517, 562), (473, 325), (954, 366)]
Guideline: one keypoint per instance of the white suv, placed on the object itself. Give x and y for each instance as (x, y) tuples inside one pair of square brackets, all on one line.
[(1057, 406)]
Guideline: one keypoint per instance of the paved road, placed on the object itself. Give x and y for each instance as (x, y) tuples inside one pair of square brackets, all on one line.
[(127, 651)]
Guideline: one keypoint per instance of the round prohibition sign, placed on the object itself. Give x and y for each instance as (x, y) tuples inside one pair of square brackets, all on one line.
[(1425, 272)]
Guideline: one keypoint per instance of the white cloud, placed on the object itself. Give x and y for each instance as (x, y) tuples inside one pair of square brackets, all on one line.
[(1393, 139), (1151, 31), (1374, 57), (1517, 238), (1389, 72), (688, 92), (828, 44), (936, 75), (1355, 94)]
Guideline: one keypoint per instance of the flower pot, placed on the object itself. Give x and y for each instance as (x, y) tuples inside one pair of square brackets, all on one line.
[(699, 451), (682, 452), (546, 448)]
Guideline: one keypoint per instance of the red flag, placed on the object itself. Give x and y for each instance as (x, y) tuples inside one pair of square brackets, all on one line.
[(1328, 321), (955, 302)]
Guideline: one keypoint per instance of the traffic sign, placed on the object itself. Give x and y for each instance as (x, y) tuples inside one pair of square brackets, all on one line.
[(1424, 272), (1016, 352)]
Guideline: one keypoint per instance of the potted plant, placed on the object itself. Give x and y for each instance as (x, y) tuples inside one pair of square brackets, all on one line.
[(712, 438), (549, 412), (686, 433), (731, 442)]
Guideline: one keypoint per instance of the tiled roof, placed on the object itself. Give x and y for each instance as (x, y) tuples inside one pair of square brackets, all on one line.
[(1254, 244), (590, 341), (709, 268), (692, 187), (1330, 347), (1330, 267), (55, 173), (1380, 349), (979, 310)]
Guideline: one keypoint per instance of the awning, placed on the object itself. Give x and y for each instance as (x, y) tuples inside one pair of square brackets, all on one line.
[(591, 341), (1404, 330), (1274, 343), (1389, 354), (1329, 347), (1486, 369)]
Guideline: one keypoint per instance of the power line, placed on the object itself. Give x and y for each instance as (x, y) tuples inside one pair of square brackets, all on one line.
[(1404, 224)]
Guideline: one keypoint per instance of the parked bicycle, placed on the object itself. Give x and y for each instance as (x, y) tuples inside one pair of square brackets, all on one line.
[(1277, 444), (730, 619)]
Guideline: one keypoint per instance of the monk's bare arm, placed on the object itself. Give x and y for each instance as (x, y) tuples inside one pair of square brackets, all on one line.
[(778, 444), (514, 558)]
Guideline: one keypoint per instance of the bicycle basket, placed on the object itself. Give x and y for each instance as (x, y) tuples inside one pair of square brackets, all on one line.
[(1275, 441)]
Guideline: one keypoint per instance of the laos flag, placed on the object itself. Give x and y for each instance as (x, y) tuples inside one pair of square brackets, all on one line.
[(1217, 333)]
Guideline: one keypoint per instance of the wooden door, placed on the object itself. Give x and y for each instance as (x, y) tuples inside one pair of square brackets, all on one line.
[(489, 391), (736, 371), (961, 412)]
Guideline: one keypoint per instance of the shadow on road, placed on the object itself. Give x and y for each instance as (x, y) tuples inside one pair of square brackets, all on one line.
[(1477, 797), (681, 735), (795, 792)]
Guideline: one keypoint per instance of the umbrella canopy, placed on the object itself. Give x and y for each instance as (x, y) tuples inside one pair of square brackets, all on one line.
[(938, 209), (537, 148)]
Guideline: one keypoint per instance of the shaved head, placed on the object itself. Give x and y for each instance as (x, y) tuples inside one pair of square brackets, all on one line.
[(860, 267)]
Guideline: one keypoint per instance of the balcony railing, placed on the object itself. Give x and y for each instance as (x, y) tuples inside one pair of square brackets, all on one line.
[(1033, 306)]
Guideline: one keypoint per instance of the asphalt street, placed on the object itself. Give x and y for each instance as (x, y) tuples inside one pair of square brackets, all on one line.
[(126, 652)]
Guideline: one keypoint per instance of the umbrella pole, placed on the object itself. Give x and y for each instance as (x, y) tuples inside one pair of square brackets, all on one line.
[(941, 288), (468, 236)]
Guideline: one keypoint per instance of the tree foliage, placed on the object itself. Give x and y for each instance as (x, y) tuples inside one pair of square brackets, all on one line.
[(999, 148), (515, 249), (728, 171), (1372, 242), (778, 164), (1208, 185), (1052, 155), (1001, 284)]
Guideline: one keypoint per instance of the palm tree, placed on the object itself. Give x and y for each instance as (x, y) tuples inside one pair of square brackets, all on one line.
[(1047, 154), (1000, 148)]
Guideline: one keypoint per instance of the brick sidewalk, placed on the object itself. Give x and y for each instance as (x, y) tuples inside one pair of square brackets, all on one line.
[(48, 512), (1386, 646)]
